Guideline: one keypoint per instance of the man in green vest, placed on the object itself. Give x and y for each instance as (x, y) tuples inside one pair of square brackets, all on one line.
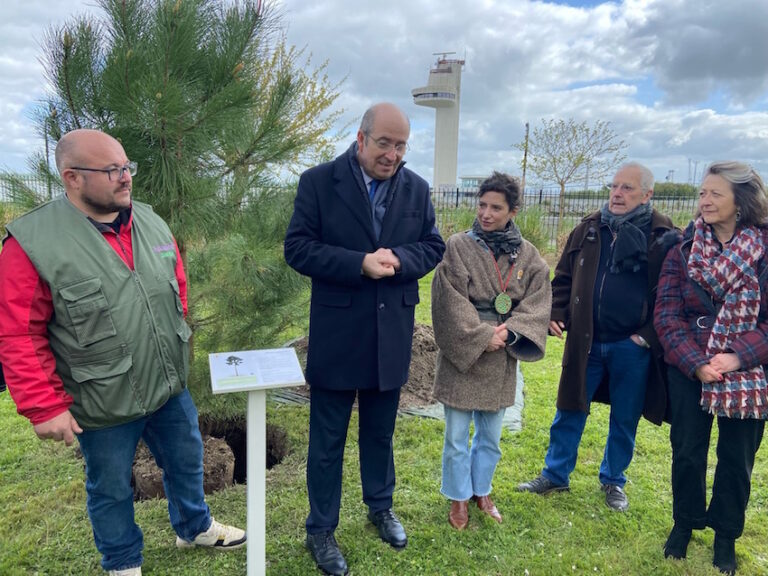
[(94, 345)]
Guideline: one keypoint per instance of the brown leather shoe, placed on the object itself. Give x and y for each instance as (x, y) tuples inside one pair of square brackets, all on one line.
[(458, 517), (486, 505)]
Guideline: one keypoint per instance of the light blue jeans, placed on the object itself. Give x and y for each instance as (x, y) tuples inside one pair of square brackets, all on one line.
[(469, 472), (173, 436)]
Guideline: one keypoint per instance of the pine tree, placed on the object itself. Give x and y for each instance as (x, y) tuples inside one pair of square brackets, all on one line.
[(217, 110)]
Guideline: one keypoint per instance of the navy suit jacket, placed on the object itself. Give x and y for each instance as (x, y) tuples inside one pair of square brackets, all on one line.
[(360, 329)]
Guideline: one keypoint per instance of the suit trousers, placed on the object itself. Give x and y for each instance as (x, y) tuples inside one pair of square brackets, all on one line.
[(329, 414), (737, 444)]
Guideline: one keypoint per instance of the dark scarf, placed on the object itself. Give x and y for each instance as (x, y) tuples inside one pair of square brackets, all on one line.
[(630, 248), (505, 241)]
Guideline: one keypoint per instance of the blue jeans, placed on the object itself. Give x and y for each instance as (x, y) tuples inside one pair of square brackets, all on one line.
[(173, 437), (626, 365), (466, 472)]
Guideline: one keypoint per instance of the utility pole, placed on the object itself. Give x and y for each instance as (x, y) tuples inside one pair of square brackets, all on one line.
[(47, 160), (525, 159)]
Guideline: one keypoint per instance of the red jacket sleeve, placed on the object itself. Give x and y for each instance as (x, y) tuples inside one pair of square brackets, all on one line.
[(28, 363), (181, 278)]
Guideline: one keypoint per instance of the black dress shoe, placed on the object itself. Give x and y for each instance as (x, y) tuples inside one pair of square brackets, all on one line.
[(615, 498), (326, 554), (390, 529), (676, 546), (541, 485), (725, 555)]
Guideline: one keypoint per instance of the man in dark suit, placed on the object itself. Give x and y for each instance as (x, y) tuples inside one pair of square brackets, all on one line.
[(363, 229)]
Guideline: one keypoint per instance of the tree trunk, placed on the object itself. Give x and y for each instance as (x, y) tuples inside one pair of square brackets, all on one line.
[(561, 211)]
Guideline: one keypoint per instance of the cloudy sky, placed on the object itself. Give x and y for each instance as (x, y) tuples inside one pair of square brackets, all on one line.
[(683, 82)]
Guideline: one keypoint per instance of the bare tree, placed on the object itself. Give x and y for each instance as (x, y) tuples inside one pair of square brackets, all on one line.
[(568, 151)]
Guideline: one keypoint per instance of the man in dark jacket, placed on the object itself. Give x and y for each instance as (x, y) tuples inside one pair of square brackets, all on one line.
[(363, 229), (602, 295)]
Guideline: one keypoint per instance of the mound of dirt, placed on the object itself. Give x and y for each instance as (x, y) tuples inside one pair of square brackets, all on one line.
[(417, 392), (224, 443), (218, 466)]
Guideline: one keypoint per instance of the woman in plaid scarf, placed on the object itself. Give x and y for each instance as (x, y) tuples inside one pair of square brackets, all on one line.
[(712, 319)]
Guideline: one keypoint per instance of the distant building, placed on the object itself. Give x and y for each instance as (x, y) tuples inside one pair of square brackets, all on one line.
[(443, 93), (471, 181)]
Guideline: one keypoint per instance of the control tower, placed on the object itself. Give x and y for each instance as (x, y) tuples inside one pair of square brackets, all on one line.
[(443, 93)]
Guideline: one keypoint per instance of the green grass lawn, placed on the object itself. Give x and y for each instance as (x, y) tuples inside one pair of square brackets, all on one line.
[(45, 530)]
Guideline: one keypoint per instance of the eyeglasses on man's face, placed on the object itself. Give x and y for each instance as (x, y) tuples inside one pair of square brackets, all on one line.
[(385, 145), (114, 174)]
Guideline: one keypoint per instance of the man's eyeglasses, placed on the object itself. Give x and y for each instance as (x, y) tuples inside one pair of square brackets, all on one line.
[(115, 174), (385, 145)]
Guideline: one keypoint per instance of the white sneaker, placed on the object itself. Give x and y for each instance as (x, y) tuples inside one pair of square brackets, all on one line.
[(126, 572), (218, 536)]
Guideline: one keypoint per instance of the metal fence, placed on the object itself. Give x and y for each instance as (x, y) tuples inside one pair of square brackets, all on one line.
[(455, 208), (10, 184)]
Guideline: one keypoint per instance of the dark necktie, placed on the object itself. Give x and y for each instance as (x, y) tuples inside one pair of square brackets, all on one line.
[(372, 189)]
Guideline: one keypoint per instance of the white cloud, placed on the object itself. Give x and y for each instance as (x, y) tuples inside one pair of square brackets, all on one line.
[(23, 26), (678, 79), (703, 46)]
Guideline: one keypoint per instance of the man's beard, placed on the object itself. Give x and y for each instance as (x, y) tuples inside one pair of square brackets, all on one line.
[(106, 208)]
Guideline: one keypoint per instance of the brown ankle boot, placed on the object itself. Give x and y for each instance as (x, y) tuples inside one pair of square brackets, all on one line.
[(486, 505), (458, 516)]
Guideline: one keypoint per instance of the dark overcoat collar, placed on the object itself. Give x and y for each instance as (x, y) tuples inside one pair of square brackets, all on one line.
[(350, 187)]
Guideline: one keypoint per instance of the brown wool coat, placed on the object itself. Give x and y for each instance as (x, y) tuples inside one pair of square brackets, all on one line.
[(572, 290), (468, 377)]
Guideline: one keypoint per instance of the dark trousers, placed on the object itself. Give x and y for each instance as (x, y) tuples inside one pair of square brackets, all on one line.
[(737, 445), (329, 414)]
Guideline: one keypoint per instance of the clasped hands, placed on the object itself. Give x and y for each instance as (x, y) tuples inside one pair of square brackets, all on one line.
[(381, 263), (499, 338), (718, 365)]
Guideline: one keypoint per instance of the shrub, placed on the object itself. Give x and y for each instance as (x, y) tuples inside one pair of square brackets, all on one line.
[(674, 190), (529, 220)]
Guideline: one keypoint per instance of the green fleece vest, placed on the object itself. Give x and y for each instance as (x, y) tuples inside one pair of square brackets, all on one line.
[(119, 336)]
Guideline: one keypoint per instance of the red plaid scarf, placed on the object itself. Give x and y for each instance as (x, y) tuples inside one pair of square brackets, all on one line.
[(730, 277)]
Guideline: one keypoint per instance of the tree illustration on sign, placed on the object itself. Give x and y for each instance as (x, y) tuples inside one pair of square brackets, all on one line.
[(234, 361)]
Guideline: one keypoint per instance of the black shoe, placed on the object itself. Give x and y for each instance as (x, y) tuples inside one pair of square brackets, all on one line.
[(390, 529), (326, 554), (676, 546), (725, 555), (615, 498), (541, 485)]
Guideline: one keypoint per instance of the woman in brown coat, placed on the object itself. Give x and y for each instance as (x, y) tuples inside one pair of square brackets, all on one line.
[(491, 302)]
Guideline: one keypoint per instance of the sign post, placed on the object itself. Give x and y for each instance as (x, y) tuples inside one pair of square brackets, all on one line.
[(255, 372)]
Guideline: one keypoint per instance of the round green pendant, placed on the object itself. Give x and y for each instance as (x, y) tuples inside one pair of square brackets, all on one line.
[(503, 303)]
